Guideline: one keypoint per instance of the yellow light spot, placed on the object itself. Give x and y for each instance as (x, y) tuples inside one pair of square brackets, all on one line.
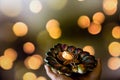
[(114, 48), (11, 8), (10, 53), (83, 21), (29, 76), (34, 62), (6, 63), (94, 28), (41, 78), (20, 29), (116, 32), (35, 6), (89, 49), (29, 47), (114, 63), (98, 17), (110, 6), (53, 28)]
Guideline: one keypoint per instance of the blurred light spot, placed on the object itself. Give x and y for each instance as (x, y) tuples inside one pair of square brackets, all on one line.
[(114, 63), (35, 6), (11, 8), (10, 53), (33, 62), (81, 0), (116, 32), (29, 76), (53, 28), (41, 78), (98, 17), (29, 47), (110, 6), (6, 63), (20, 29), (83, 21), (89, 49), (56, 4), (94, 28), (114, 48)]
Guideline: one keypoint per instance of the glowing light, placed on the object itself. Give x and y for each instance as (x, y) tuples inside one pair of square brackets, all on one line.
[(56, 4), (114, 48), (84, 21), (10, 53), (110, 6), (114, 63), (29, 47), (41, 78), (53, 28), (11, 8), (34, 62), (116, 32), (6, 63), (35, 6), (20, 29), (89, 49), (94, 28), (98, 17), (66, 55), (29, 76)]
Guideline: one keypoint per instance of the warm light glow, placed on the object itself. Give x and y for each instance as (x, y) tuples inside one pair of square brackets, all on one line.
[(94, 28), (98, 17), (20, 29), (41, 78), (89, 49), (34, 62), (11, 8), (83, 21), (29, 47), (29, 76), (66, 55), (53, 28), (114, 48), (35, 6), (56, 4), (116, 32), (110, 6), (6, 63), (10, 53), (114, 63)]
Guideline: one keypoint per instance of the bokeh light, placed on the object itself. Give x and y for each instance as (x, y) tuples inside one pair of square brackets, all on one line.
[(11, 8), (114, 48), (11, 54), (41, 78), (33, 62), (56, 4), (116, 32), (94, 28), (110, 6), (20, 29), (6, 63), (98, 17), (29, 76), (84, 21), (35, 6), (114, 63), (28, 47), (53, 28), (89, 49)]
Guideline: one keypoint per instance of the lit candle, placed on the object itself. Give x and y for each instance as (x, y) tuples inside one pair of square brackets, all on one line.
[(66, 55)]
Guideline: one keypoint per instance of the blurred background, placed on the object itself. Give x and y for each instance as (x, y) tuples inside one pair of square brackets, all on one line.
[(28, 28)]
